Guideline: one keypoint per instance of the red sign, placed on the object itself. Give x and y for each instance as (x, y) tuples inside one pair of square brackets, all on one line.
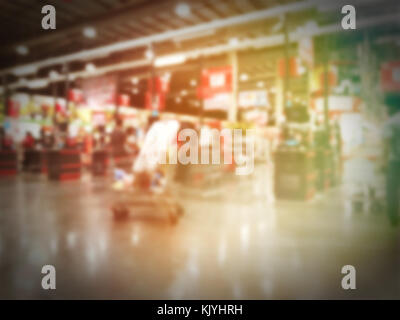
[(99, 91), (215, 81), (75, 95), (124, 100), (155, 99), (390, 76), (13, 108), (293, 67)]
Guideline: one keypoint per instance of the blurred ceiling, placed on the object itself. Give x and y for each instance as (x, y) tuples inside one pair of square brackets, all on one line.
[(121, 20)]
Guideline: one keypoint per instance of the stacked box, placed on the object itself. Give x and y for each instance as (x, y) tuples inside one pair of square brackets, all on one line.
[(64, 165), (8, 163), (35, 161)]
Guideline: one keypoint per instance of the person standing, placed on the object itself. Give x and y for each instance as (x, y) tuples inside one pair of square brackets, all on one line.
[(391, 134)]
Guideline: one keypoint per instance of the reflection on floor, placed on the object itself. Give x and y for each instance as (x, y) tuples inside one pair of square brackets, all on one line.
[(234, 245)]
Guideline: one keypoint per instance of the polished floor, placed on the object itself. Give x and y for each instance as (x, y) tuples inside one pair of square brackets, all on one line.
[(231, 243)]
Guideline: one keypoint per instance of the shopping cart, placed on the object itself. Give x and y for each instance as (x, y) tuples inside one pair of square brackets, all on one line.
[(146, 192), (145, 197)]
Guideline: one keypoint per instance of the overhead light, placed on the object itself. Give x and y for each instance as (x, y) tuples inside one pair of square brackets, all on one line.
[(183, 10), (89, 32), (135, 91), (184, 93), (149, 54), (53, 75), (90, 67), (22, 82), (260, 84), (24, 70), (170, 60), (244, 77), (193, 82), (38, 83), (166, 76), (22, 50), (233, 41), (178, 100), (135, 80), (195, 35)]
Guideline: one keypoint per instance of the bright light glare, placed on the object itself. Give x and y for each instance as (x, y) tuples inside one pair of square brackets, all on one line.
[(149, 54), (24, 70), (90, 32), (22, 50), (182, 10), (244, 77), (90, 67), (135, 80), (38, 83)]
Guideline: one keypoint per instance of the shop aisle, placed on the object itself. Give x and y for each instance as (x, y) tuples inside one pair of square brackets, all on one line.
[(236, 246)]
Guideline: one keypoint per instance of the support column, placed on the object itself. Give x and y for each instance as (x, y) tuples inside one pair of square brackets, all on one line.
[(279, 100), (67, 86), (326, 85), (232, 112)]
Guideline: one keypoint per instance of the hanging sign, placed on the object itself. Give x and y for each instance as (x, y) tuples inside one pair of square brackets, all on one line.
[(390, 76), (215, 81)]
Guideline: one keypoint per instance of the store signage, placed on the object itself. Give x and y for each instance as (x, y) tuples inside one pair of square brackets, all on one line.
[(221, 101), (390, 76), (124, 100), (75, 95), (215, 81), (99, 91), (155, 99), (254, 98)]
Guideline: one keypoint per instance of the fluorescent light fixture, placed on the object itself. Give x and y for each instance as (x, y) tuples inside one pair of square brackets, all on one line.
[(183, 10), (89, 32), (195, 35), (22, 50), (53, 75), (24, 70), (193, 82), (260, 84), (38, 83), (233, 41), (170, 60), (22, 82), (90, 67)]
